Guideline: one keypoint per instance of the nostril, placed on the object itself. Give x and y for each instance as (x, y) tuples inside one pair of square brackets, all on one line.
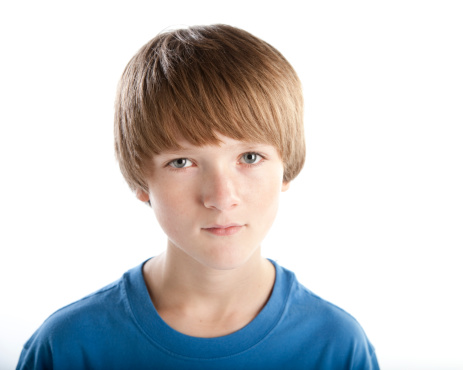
[(220, 204)]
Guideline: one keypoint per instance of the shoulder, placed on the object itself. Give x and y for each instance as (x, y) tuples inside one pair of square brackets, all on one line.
[(85, 311), (304, 305), (324, 327), (88, 320)]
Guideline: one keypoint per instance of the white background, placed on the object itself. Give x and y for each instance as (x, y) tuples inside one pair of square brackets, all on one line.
[(374, 222)]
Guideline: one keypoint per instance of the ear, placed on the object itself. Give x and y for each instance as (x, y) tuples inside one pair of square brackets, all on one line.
[(285, 185), (142, 195)]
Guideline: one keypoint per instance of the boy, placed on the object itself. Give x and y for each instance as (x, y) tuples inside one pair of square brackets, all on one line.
[(208, 132)]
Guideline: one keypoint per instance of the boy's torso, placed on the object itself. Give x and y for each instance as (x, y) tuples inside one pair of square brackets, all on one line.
[(118, 327)]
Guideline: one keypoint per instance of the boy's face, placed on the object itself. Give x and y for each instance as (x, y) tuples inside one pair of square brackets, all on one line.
[(216, 203)]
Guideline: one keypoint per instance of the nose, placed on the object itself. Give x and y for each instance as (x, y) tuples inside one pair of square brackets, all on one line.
[(220, 191)]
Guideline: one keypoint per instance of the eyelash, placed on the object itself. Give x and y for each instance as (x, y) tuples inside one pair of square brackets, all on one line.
[(248, 165), (171, 167), (253, 164)]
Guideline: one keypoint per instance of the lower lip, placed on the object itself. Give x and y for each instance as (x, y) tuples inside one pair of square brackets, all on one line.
[(226, 231)]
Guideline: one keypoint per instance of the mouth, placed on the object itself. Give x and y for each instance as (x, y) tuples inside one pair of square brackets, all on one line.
[(223, 230)]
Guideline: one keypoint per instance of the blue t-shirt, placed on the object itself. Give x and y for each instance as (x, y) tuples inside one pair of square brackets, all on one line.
[(118, 327)]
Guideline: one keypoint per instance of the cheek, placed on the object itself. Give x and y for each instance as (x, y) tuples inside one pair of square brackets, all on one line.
[(266, 197), (172, 209)]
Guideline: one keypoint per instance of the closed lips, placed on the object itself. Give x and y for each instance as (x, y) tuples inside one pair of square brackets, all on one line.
[(224, 230)]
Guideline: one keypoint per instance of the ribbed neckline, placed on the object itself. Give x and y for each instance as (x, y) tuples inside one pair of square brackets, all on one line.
[(187, 346)]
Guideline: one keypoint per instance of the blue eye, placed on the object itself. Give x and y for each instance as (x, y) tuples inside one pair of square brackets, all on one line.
[(180, 163), (251, 158)]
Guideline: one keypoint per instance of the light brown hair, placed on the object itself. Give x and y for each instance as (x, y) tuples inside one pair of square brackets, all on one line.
[(193, 83)]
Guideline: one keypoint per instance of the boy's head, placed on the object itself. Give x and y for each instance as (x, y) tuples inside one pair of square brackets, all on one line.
[(198, 82)]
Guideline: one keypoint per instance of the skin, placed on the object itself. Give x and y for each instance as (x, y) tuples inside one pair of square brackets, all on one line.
[(215, 203)]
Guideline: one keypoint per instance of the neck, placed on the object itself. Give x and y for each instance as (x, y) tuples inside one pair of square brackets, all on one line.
[(186, 293)]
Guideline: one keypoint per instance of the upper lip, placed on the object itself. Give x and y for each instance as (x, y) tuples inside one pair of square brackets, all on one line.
[(216, 226)]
